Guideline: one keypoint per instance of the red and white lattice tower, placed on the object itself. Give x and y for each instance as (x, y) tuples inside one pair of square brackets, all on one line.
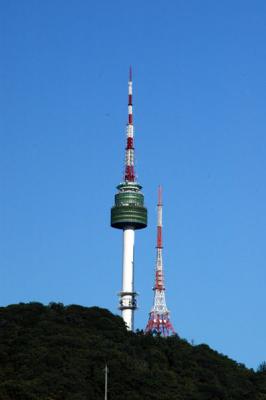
[(159, 320)]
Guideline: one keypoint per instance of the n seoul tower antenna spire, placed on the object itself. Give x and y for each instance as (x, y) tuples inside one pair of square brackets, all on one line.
[(159, 321), (129, 214)]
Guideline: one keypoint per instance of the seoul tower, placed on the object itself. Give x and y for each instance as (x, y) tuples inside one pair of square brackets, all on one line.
[(129, 214), (159, 321)]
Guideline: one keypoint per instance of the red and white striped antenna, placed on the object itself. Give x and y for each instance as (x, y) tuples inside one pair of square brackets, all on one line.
[(159, 218), (129, 175), (159, 279)]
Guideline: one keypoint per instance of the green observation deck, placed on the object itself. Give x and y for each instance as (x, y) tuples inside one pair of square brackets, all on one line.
[(129, 210)]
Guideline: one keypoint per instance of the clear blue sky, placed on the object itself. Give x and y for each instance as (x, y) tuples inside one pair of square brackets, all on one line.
[(199, 108)]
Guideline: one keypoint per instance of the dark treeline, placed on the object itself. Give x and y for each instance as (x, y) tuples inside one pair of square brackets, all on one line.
[(59, 353)]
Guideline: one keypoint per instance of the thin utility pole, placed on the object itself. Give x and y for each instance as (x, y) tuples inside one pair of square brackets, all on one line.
[(106, 382)]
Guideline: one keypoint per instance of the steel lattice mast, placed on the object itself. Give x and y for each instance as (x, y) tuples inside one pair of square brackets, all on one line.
[(129, 214), (159, 321)]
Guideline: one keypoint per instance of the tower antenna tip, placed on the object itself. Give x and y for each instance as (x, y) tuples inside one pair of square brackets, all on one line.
[(160, 195), (130, 73)]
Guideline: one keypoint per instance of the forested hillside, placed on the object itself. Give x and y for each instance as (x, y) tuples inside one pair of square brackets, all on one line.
[(59, 353)]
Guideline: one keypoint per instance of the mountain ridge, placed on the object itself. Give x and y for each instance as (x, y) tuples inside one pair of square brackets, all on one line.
[(59, 352)]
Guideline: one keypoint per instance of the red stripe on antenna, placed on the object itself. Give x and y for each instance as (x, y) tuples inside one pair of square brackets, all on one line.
[(130, 143), (159, 237)]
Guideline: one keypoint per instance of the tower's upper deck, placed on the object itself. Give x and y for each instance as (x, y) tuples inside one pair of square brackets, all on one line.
[(129, 210)]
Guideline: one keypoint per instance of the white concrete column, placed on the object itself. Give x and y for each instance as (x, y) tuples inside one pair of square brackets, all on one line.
[(128, 277)]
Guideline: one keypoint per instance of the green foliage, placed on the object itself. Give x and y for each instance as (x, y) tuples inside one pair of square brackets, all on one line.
[(262, 367), (58, 352)]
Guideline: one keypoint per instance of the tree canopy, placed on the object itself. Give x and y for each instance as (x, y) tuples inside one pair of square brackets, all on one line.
[(59, 352)]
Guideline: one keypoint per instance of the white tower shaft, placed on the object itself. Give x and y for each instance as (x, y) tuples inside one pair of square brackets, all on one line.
[(127, 300)]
